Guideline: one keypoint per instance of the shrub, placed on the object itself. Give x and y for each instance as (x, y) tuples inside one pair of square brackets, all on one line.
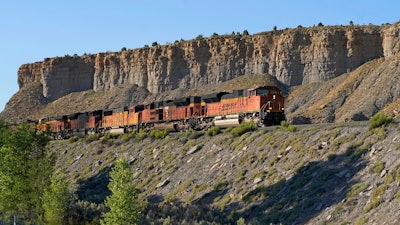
[(109, 136), (241, 175), (142, 134), (292, 128), (92, 137), (192, 134), (243, 128), (128, 136), (288, 126), (379, 120), (284, 123), (378, 167), (159, 134), (73, 139), (356, 189), (220, 186), (228, 130), (213, 131), (240, 221), (361, 221)]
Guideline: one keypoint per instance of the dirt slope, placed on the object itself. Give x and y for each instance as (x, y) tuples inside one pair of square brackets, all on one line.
[(353, 96)]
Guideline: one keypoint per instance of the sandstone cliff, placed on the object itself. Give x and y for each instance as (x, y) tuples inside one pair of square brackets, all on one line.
[(295, 56)]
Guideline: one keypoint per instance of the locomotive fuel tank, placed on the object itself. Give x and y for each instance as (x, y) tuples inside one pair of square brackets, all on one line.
[(226, 121)]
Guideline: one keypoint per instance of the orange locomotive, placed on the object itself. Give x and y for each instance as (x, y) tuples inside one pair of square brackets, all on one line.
[(263, 105)]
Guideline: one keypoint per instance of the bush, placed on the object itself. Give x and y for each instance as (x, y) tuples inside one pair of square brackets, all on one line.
[(284, 123), (213, 131), (192, 134), (142, 134), (109, 136), (292, 128), (243, 128), (92, 137), (73, 139), (379, 120), (378, 167), (159, 134), (288, 126), (128, 136)]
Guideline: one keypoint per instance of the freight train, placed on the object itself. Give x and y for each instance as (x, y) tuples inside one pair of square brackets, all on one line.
[(263, 105)]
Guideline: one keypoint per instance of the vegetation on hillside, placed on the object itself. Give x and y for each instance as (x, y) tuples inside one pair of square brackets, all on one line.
[(269, 175), (379, 120)]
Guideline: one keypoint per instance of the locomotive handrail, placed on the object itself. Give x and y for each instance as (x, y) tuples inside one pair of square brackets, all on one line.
[(262, 109)]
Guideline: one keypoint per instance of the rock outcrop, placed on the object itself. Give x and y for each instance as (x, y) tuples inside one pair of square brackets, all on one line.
[(295, 56)]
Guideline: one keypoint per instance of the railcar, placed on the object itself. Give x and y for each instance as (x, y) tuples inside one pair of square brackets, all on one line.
[(264, 105)]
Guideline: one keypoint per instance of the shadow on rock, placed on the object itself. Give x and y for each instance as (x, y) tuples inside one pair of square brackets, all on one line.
[(314, 187)]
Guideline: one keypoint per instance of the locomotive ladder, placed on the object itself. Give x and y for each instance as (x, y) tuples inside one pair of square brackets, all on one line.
[(263, 112)]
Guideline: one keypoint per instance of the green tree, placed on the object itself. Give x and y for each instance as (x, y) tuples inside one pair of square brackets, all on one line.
[(245, 32), (55, 200), (123, 202), (199, 37), (25, 169)]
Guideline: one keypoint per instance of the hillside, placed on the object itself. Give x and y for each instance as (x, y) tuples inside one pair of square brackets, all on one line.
[(353, 96), (319, 174)]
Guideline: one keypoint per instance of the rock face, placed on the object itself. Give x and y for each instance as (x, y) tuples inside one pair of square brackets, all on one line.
[(59, 76), (295, 56)]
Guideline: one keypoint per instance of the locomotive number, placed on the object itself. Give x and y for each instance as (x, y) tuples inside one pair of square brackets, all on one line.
[(229, 106)]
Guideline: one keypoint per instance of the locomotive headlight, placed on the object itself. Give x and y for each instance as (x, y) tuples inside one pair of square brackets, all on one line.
[(273, 96)]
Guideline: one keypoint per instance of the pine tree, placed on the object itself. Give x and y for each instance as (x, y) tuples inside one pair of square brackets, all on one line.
[(123, 202)]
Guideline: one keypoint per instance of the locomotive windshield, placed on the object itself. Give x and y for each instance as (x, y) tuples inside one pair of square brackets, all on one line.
[(262, 92), (275, 92)]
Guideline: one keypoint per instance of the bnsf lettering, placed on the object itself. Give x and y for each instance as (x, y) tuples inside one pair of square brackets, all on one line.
[(229, 106)]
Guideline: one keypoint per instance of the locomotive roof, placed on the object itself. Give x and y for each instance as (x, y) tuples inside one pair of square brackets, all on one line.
[(214, 97), (263, 87)]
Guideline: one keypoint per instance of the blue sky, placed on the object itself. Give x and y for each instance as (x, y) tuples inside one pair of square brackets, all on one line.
[(34, 30)]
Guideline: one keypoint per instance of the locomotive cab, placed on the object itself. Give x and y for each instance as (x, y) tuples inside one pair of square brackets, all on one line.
[(271, 104)]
